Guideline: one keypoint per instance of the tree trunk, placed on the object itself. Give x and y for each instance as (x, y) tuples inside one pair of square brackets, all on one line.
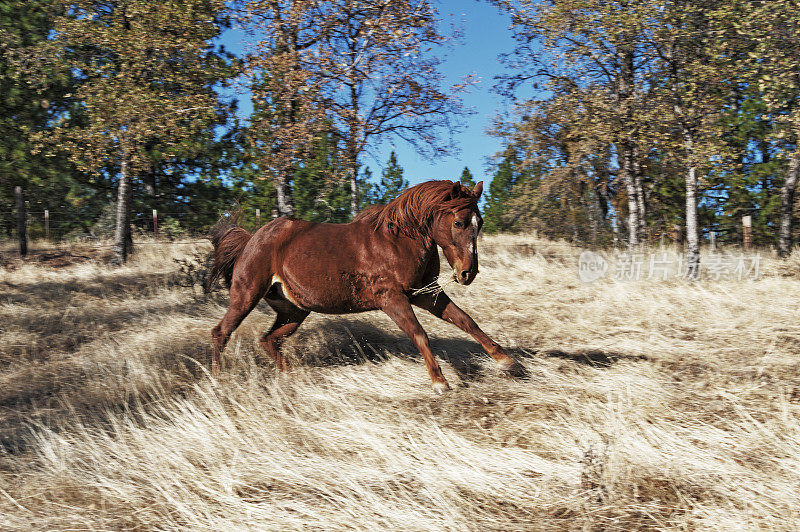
[(354, 191), (353, 140), (641, 203), (595, 216), (626, 152), (284, 193), (787, 206), (601, 192), (123, 241), (630, 187), (22, 229), (150, 183), (692, 229), (351, 163)]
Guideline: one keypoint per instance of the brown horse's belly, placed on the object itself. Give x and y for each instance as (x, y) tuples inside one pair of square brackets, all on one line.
[(325, 298), (335, 269)]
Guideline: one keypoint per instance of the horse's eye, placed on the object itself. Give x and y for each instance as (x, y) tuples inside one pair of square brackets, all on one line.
[(459, 223)]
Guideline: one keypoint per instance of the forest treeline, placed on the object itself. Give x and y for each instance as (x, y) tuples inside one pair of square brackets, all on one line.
[(629, 120)]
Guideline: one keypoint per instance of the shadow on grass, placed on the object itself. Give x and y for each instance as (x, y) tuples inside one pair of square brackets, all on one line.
[(53, 293), (85, 387), (590, 357), (60, 317), (353, 341), (92, 384)]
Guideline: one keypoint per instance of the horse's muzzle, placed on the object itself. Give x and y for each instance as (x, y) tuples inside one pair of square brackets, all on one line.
[(464, 277)]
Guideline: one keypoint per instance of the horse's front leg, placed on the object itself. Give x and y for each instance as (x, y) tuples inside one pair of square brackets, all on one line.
[(399, 309), (441, 306)]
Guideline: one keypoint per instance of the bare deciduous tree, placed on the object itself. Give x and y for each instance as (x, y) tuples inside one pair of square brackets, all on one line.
[(591, 54), (363, 70)]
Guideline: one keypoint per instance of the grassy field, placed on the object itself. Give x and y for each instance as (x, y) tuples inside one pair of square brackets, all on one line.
[(651, 404)]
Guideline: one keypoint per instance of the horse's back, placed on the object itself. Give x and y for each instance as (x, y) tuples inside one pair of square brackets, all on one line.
[(290, 236)]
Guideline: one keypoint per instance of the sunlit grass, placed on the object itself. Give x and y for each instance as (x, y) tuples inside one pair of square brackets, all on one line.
[(649, 404)]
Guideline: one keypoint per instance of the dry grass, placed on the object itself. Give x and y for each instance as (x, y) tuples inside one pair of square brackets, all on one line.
[(650, 404)]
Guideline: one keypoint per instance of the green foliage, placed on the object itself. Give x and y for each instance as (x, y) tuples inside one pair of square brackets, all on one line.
[(318, 195), (366, 70), (143, 94), (171, 228), (391, 183), (103, 226), (467, 179), (144, 76), (495, 212), (196, 190), (87, 85), (50, 183)]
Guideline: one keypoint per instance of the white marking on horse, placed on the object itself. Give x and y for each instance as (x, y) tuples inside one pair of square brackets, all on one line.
[(284, 290), (475, 234)]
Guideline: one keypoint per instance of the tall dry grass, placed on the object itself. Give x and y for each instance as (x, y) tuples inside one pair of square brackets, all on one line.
[(650, 404)]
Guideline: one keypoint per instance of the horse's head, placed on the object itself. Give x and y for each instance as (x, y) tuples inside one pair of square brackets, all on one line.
[(456, 230)]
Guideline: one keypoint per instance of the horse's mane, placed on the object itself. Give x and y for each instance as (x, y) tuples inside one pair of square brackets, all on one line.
[(412, 212)]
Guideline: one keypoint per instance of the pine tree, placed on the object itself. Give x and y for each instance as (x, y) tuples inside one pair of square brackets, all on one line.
[(466, 178), (195, 190), (771, 31), (499, 191), (366, 191), (30, 103), (391, 184), (317, 197)]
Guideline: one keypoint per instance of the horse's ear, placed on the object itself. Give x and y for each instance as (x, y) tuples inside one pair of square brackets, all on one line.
[(478, 190), (456, 191)]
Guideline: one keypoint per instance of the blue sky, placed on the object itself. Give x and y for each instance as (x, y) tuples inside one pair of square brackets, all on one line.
[(485, 36)]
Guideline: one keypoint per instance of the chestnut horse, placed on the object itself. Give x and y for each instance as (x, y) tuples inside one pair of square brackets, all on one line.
[(379, 261)]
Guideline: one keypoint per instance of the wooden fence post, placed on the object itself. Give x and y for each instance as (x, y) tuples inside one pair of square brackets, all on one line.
[(22, 229), (155, 223), (47, 225), (713, 236), (747, 231), (258, 218)]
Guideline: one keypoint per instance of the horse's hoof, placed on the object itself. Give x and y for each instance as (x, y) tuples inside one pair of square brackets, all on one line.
[(506, 364), (440, 387), (509, 366)]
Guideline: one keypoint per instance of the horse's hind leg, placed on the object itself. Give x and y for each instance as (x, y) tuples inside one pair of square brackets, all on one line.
[(243, 299), (286, 323)]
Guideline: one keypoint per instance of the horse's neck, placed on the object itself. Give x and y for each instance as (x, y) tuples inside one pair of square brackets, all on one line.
[(425, 247), (419, 249), (415, 249)]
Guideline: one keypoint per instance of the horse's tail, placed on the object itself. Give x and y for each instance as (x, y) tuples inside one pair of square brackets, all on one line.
[(229, 241)]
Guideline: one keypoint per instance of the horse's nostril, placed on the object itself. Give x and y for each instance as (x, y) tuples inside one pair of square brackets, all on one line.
[(464, 275)]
